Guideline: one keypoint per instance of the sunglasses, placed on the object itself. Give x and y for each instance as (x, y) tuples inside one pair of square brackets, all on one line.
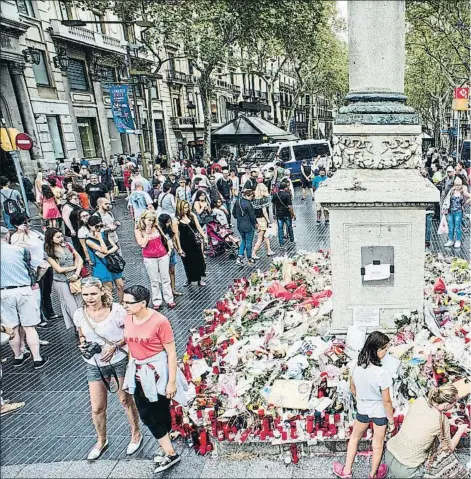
[(130, 302)]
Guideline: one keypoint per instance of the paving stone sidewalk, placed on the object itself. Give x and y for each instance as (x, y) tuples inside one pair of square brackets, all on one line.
[(56, 426)]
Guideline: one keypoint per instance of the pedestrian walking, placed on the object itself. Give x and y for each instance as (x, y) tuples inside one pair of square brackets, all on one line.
[(110, 224), (139, 201), (284, 213), (316, 183), (306, 179), (261, 204), (225, 186), (10, 201), (166, 202), (96, 190), (170, 228), (33, 241), (370, 383), (244, 214), (156, 253), (67, 266), (152, 375), (100, 325), (99, 247), (127, 178), (191, 240), (19, 305), (453, 207), (105, 175), (50, 212), (83, 233)]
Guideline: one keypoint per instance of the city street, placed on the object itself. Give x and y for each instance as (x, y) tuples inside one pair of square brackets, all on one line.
[(55, 425)]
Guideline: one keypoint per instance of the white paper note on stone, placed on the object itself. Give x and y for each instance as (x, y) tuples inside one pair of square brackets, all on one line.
[(366, 317), (377, 272)]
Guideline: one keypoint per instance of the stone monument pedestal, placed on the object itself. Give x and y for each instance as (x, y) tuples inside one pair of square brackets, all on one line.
[(377, 235)]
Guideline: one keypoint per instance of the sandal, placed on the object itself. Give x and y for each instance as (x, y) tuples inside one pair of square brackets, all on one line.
[(177, 293), (11, 407), (201, 283)]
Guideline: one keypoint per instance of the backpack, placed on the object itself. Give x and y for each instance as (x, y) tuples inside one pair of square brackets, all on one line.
[(10, 205)]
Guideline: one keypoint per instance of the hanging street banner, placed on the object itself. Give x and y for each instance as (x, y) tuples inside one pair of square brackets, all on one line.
[(121, 109), (461, 98)]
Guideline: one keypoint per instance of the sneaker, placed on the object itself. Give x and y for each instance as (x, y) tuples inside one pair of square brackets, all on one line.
[(303, 199), (17, 362), (381, 472), (327, 222), (239, 261), (337, 469), (254, 256), (271, 253), (427, 244), (449, 243), (318, 222), (167, 462), (457, 244), (40, 364), (251, 261), (159, 455)]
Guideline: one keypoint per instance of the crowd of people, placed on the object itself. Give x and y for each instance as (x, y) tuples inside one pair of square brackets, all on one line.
[(190, 212)]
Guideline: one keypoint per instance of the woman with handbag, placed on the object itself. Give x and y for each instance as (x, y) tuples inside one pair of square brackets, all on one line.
[(170, 228), (423, 446), (261, 205), (201, 207), (191, 238), (100, 324), (155, 250), (102, 250), (67, 267), (152, 375)]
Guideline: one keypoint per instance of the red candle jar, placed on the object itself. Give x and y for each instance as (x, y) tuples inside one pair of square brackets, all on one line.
[(284, 436)]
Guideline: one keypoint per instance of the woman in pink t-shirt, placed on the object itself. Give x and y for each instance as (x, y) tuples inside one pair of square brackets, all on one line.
[(148, 334), (152, 240)]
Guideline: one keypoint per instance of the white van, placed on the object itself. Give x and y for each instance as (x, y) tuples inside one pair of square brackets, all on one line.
[(290, 153)]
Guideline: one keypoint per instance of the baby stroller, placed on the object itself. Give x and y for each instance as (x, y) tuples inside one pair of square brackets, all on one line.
[(219, 241)]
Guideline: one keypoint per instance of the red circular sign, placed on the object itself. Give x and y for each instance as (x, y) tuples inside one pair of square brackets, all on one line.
[(24, 141)]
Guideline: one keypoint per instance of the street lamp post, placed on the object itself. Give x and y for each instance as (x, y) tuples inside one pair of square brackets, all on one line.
[(192, 109)]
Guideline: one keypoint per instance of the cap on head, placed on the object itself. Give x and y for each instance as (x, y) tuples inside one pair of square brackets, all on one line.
[(450, 168)]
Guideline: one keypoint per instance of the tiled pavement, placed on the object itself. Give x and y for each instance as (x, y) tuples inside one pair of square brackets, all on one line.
[(56, 426)]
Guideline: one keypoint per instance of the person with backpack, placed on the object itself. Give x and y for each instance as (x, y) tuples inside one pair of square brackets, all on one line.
[(283, 208), (244, 213), (10, 201)]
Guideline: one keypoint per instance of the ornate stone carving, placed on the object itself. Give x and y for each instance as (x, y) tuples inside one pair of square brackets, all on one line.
[(376, 152)]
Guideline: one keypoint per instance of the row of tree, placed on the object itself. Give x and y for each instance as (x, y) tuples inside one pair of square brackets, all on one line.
[(248, 36), (438, 57)]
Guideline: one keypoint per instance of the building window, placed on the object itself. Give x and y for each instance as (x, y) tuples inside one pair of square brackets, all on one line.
[(171, 64), (99, 27), (108, 79), (55, 131), (40, 71), (25, 7), (77, 74), (177, 107), (154, 92), (67, 11), (88, 130), (190, 67), (128, 33)]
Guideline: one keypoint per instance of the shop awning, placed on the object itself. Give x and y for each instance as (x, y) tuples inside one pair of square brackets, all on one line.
[(250, 130)]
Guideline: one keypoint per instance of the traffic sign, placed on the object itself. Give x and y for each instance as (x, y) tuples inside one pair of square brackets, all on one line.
[(24, 141), (461, 98)]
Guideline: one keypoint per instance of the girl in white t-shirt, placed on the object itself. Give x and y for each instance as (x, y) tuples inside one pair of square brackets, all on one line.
[(370, 383)]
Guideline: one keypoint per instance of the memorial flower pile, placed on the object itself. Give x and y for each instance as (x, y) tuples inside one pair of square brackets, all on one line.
[(264, 367)]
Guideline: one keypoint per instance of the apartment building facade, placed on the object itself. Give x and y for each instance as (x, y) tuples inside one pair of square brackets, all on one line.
[(55, 79)]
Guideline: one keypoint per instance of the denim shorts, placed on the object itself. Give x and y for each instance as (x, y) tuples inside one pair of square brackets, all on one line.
[(365, 419), (93, 373), (173, 258)]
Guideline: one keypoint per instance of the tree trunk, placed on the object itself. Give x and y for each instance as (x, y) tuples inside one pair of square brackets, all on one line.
[(205, 91), (292, 109)]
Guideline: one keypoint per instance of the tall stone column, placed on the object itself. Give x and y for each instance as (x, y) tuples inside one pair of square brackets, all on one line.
[(25, 108), (377, 197)]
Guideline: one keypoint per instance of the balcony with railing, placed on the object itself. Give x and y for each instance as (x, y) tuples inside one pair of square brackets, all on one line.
[(177, 122), (84, 36), (180, 77)]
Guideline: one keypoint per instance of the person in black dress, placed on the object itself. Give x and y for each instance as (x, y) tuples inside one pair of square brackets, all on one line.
[(192, 244)]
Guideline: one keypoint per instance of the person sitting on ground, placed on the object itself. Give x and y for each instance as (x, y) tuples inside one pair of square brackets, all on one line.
[(425, 422)]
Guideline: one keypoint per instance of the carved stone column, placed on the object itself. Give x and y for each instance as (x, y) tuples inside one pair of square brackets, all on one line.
[(24, 106), (377, 197)]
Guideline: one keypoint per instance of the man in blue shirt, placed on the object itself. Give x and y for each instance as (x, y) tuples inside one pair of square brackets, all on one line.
[(316, 183), (19, 301)]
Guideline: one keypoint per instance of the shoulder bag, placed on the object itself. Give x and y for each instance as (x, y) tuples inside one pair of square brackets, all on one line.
[(114, 262), (112, 388), (441, 461)]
